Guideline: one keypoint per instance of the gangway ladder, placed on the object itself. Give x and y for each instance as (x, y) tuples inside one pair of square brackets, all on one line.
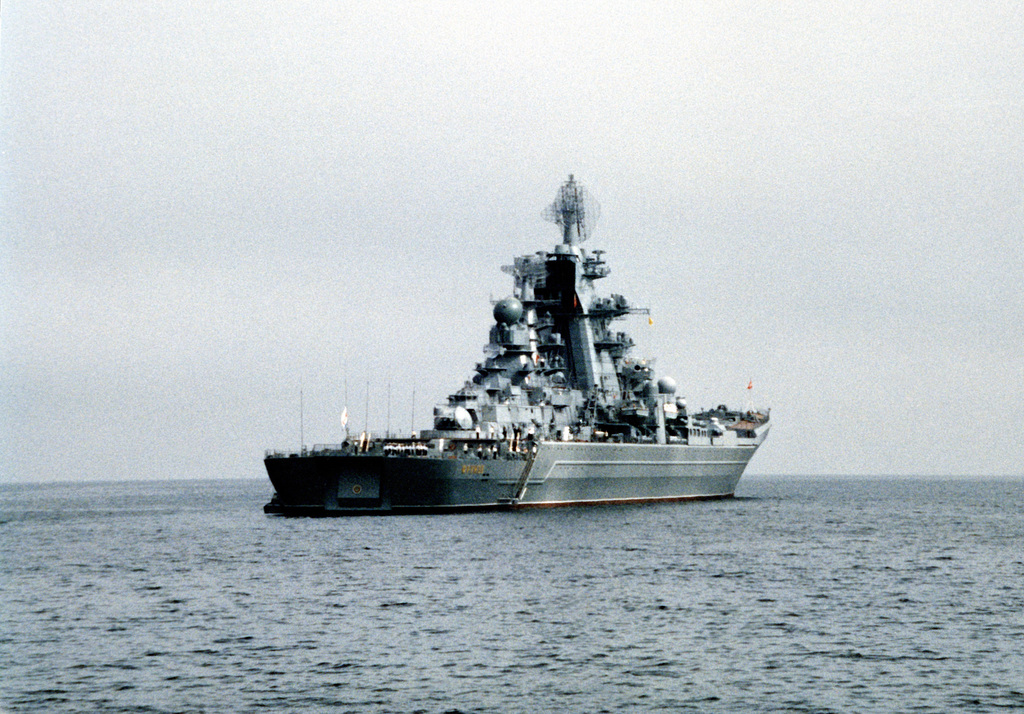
[(520, 489)]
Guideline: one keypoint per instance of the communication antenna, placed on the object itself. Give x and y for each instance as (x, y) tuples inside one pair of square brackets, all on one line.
[(412, 418), (575, 211)]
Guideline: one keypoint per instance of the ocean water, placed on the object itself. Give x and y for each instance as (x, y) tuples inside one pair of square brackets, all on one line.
[(801, 594)]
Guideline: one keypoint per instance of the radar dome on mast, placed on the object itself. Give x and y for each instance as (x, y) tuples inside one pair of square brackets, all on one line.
[(575, 211), (508, 311)]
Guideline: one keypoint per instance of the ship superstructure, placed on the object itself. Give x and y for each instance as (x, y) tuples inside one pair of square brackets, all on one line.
[(559, 412)]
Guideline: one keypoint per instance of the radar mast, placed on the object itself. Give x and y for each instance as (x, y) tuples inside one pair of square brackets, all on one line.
[(575, 211)]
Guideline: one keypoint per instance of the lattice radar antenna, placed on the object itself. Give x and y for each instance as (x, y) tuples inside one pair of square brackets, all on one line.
[(575, 211)]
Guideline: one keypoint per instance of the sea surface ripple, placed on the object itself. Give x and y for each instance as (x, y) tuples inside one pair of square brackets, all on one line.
[(800, 595)]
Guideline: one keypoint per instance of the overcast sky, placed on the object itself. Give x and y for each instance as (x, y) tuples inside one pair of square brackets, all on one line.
[(208, 207)]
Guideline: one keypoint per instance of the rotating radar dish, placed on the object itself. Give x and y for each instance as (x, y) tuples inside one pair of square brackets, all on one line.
[(575, 210)]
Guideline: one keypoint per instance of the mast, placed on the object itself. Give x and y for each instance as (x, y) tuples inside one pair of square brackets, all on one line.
[(576, 212)]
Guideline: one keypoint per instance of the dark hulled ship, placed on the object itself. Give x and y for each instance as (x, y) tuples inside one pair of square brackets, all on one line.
[(558, 413)]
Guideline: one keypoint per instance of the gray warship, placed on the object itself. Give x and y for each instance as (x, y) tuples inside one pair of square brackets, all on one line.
[(558, 413)]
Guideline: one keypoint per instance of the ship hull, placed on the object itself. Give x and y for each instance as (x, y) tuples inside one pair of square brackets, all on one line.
[(559, 474)]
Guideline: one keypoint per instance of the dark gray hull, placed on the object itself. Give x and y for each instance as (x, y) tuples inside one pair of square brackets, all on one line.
[(559, 474)]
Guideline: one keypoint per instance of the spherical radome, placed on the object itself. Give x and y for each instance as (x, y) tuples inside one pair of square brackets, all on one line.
[(667, 385), (508, 311)]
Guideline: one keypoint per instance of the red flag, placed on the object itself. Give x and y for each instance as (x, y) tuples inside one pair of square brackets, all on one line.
[(750, 384)]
